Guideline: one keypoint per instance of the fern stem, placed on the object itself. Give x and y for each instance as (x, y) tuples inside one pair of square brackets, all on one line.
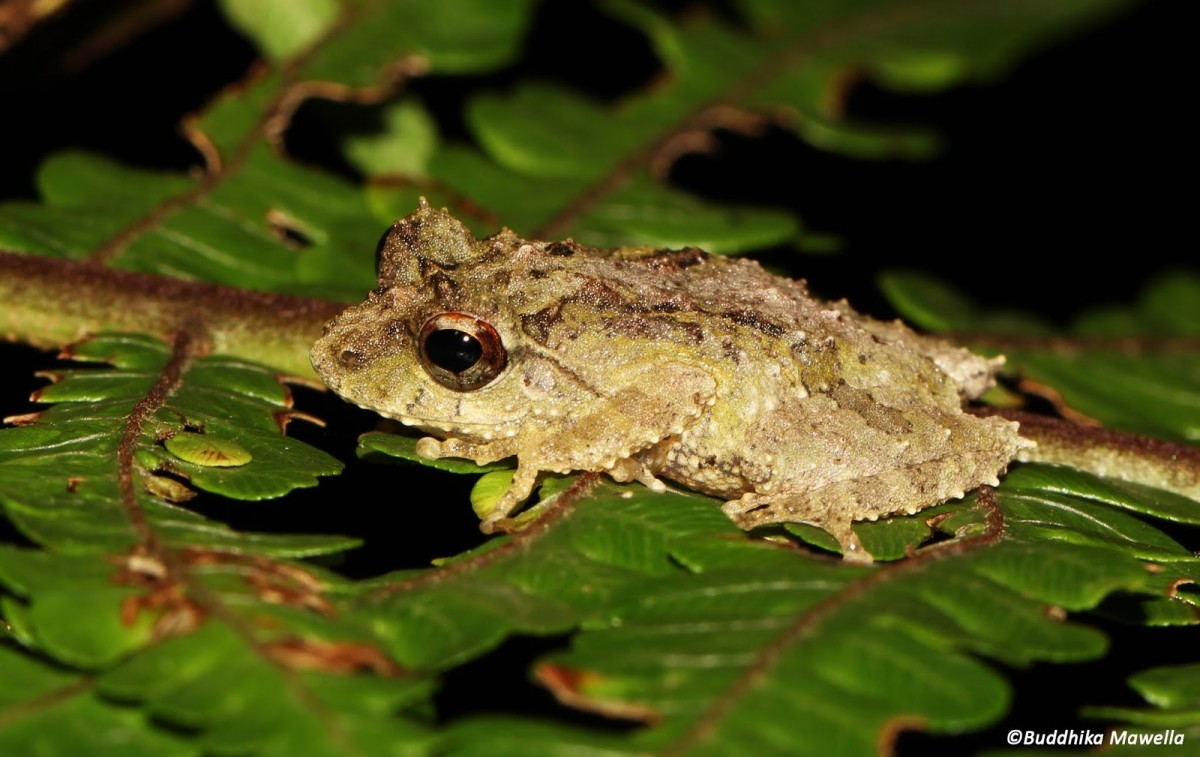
[(50, 303)]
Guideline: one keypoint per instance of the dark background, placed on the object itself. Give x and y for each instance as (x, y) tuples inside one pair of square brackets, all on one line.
[(1059, 188)]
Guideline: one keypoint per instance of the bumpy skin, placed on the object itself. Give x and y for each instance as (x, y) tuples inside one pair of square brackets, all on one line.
[(642, 363)]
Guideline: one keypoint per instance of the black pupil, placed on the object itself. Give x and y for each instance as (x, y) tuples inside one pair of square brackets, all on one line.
[(454, 350)]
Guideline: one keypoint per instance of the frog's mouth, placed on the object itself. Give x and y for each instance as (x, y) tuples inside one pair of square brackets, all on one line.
[(380, 396)]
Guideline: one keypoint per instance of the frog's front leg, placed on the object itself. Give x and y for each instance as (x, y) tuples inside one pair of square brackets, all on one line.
[(524, 479), (620, 434), (617, 434)]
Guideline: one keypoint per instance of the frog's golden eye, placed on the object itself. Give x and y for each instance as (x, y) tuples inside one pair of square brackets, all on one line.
[(460, 351)]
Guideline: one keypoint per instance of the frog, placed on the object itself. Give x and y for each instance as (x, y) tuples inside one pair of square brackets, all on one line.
[(654, 365)]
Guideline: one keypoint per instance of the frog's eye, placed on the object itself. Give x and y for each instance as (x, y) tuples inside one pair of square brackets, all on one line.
[(460, 351)]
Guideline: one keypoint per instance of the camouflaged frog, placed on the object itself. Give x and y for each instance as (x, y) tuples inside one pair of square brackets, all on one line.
[(652, 364)]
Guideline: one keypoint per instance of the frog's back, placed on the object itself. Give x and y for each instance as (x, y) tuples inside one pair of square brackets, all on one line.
[(739, 314), (823, 414)]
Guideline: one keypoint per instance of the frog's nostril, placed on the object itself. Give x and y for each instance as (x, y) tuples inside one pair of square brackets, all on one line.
[(350, 358)]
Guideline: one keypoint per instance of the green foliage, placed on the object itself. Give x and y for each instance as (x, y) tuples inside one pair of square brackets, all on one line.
[(552, 163), (1149, 381), (133, 622), (71, 476), (239, 222)]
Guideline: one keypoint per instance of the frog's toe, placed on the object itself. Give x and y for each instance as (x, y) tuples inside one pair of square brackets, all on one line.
[(491, 524), (652, 483), (741, 510), (499, 524), (631, 469), (429, 448), (852, 549), (644, 477)]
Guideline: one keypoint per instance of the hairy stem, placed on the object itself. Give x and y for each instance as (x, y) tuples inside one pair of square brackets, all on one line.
[(50, 303), (1105, 452)]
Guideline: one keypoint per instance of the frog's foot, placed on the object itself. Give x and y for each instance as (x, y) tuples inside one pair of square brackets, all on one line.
[(749, 502), (524, 479), (632, 469), (498, 523), (755, 509)]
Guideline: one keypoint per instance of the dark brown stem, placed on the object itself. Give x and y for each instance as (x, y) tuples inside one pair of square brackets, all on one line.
[(182, 352)]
